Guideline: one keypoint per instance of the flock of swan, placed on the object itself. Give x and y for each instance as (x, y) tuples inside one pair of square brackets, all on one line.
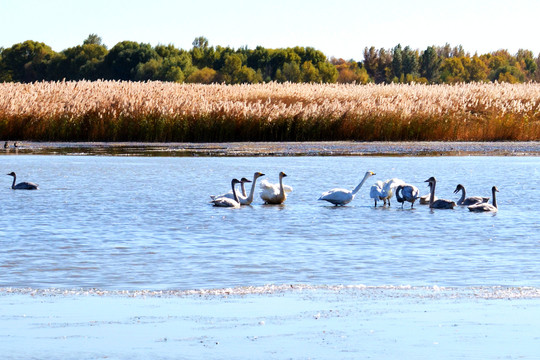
[(380, 191)]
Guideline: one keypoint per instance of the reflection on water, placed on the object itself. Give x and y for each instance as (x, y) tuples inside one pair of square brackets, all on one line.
[(145, 223)]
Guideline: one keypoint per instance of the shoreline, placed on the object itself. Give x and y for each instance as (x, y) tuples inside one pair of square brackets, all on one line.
[(336, 148)]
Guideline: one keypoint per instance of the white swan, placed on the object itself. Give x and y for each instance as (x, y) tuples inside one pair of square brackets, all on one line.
[(471, 200), (22, 185), (228, 202), (249, 199), (375, 192), (230, 193), (275, 193), (439, 203), (409, 193), (342, 197), (389, 187), (485, 206)]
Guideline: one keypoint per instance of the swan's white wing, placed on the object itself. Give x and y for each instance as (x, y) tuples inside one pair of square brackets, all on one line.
[(376, 190), (411, 192), (389, 186), (225, 202), (266, 185), (337, 196), (287, 188)]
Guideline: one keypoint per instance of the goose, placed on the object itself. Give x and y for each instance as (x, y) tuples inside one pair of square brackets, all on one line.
[(482, 207), (22, 185), (343, 196), (410, 193), (389, 186), (230, 194), (228, 202), (470, 200), (439, 203), (275, 193), (376, 191)]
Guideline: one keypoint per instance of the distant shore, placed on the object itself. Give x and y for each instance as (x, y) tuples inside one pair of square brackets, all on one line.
[(338, 148)]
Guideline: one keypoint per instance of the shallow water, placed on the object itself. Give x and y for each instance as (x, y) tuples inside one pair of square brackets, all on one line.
[(145, 223)]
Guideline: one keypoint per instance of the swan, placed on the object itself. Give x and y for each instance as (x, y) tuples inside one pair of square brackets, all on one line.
[(410, 193), (22, 185), (275, 193), (470, 200), (228, 202), (343, 196), (389, 186), (376, 191), (247, 200), (439, 203), (485, 206), (230, 194)]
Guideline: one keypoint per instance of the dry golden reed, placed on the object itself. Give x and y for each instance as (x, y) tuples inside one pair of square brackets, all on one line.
[(159, 111)]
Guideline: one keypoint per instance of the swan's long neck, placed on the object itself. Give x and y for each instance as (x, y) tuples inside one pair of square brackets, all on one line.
[(281, 190), (14, 179), (252, 191), (234, 193), (360, 185), (462, 195), (494, 197), (243, 189), (432, 195), (398, 197)]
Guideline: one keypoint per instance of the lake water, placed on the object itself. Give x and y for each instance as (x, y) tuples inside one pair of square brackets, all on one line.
[(145, 223)]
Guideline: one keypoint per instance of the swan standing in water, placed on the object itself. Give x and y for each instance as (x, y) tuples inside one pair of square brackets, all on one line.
[(228, 202), (389, 187), (482, 207), (22, 185), (440, 203), (343, 196), (375, 192), (470, 200), (275, 193), (410, 193)]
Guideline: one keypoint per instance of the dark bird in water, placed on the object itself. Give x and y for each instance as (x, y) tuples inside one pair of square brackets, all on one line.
[(22, 185)]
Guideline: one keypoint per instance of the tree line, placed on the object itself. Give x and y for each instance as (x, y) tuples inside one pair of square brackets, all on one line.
[(32, 61)]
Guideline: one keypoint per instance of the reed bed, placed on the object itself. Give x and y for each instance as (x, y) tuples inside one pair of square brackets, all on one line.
[(164, 112)]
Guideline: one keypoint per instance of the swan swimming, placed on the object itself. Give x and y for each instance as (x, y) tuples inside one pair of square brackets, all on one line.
[(482, 207), (409, 193), (342, 197), (470, 200), (375, 192), (228, 202), (275, 193), (247, 200), (439, 203), (22, 185), (230, 193)]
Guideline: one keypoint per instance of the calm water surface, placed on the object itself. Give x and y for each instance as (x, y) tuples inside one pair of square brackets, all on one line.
[(145, 223)]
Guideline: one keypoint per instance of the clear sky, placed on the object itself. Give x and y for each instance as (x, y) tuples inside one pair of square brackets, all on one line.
[(341, 28)]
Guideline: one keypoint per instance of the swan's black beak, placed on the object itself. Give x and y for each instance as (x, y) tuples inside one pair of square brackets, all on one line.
[(455, 191)]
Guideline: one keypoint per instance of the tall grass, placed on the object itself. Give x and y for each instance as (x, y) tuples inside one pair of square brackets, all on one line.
[(158, 111)]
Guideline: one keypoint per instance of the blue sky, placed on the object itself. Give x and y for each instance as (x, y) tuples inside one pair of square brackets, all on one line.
[(338, 28)]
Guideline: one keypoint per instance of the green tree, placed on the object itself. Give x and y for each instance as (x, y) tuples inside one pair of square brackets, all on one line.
[(328, 72), (93, 39), (289, 72), (26, 62), (429, 65), (397, 62), (453, 71), (410, 63), (310, 74), (122, 60)]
